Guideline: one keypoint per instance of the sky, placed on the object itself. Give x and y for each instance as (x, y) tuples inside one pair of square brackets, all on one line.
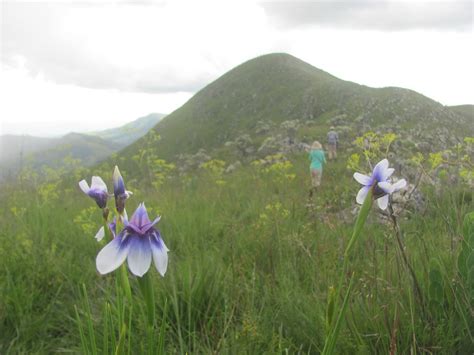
[(90, 65)]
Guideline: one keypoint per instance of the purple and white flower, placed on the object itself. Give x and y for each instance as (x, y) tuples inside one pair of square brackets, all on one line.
[(97, 190), (139, 242), (100, 234), (119, 191), (379, 181)]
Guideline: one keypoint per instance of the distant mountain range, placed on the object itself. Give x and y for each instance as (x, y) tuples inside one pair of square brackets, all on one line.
[(130, 132), (278, 87), (24, 150)]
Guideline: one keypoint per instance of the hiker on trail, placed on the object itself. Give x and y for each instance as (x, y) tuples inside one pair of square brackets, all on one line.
[(333, 140), (317, 158)]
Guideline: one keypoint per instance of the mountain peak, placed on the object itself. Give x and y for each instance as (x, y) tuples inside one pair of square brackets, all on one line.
[(279, 87), (275, 57), (274, 63)]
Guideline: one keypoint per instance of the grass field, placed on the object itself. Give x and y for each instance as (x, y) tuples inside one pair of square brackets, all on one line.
[(249, 272)]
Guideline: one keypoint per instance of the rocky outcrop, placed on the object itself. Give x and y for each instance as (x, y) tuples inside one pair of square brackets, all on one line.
[(244, 145), (232, 167), (188, 162)]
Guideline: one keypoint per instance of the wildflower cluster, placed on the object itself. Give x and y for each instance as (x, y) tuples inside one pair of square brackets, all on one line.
[(216, 169), (85, 220), (353, 162), (272, 214), (139, 241), (161, 170), (277, 210), (456, 161), (276, 166), (157, 170), (372, 146), (48, 191)]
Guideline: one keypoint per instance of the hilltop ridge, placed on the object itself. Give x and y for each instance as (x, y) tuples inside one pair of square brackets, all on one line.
[(129, 132), (279, 87)]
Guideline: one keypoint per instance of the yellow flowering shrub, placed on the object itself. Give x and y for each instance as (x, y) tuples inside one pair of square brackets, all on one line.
[(48, 191), (277, 167), (161, 171), (85, 220), (215, 168), (371, 146)]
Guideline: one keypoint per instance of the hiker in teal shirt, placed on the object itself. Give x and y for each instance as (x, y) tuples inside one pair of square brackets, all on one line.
[(317, 158)]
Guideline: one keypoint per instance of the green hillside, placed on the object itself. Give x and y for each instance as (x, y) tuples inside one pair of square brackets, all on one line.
[(130, 132), (279, 87), (87, 149), (464, 110), (12, 146), (35, 152)]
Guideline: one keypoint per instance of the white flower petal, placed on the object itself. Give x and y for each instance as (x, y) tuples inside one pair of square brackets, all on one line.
[(116, 174), (112, 255), (156, 220), (119, 185), (100, 234), (160, 255), (84, 186), (362, 194), (386, 186), (124, 217), (362, 179), (380, 170), (383, 202), (98, 183), (387, 173), (383, 164), (139, 255), (400, 184)]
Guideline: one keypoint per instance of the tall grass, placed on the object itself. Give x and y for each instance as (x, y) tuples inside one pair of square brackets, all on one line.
[(249, 272)]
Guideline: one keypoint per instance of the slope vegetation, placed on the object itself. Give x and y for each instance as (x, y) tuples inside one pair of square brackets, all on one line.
[(279, 87), (130, 132)]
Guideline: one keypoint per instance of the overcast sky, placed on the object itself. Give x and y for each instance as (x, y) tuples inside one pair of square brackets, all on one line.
[(89, 65)]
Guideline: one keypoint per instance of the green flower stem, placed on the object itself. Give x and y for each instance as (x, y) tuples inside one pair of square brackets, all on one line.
[(334, 328), (361, 218), (105, 217), (146, 287), (331, 341), (107, 233), (401, 247), (124, 282)]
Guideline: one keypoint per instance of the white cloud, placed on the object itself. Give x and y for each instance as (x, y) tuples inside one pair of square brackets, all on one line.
[(399, 15), (164, 48), (33, 105), (436, 64)]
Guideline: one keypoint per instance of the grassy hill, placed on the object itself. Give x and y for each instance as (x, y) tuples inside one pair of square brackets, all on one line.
[(87, 149), (35, 152), (130, 132), (279, 87), (464, 110), (250, 268), (12, 146)]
